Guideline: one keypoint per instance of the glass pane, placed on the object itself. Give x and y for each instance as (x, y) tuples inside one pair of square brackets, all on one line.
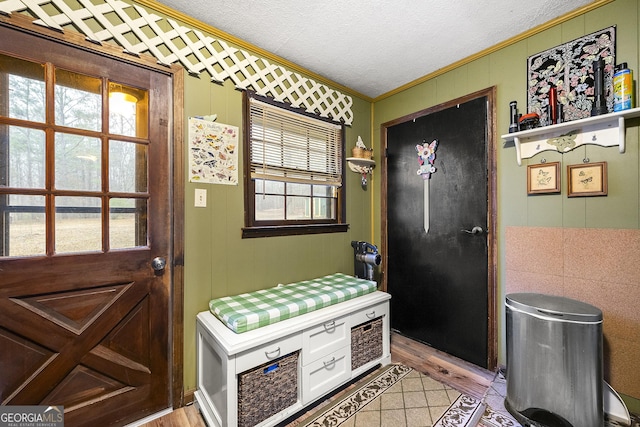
[(127, 223), (325, 191), (25, 96), (274, 187), (24, 222), (269, 187), (78, 101), (269, 208), (323, 208), (78, 163), (299, 189), (78, 224), (127, 167), (128, 110), (298, 208), (22, 164)]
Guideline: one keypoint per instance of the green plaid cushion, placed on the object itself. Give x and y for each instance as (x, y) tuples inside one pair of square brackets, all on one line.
[(245, 312)]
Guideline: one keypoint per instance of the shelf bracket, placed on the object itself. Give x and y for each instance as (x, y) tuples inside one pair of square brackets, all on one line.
[(516, 142), (621, 134)]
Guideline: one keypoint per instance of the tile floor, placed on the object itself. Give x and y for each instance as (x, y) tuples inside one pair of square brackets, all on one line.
[(496, 415)]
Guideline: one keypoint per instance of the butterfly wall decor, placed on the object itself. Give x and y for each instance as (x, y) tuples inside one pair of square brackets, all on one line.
[(426, 158)]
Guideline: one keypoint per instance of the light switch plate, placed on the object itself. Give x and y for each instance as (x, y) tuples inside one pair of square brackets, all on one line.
[(201, 198)]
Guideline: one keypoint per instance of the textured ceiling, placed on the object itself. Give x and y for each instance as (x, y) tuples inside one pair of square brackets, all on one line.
[(375, 46)]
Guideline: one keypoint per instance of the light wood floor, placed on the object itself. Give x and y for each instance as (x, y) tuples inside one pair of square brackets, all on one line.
[(461, 375)]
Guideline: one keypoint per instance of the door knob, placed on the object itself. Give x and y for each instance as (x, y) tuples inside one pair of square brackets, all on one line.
[(475, 230), (159, 263)]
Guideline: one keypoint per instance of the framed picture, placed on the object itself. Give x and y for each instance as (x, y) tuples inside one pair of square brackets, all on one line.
[(588, 179), (543, 178), (569, 67)]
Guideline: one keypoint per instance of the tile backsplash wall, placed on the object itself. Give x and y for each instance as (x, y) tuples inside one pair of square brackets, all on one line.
[(597, 266)]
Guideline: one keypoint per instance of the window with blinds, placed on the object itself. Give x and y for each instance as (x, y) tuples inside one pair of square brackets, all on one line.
[(295, 164)]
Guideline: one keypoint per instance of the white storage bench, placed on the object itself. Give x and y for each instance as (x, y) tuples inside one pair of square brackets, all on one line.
[(311, 352)]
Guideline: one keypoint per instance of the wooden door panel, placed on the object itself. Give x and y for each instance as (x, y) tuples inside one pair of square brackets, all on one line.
[(113, 341)]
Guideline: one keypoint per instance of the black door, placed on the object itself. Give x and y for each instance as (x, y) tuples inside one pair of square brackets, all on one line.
[(439, 279)]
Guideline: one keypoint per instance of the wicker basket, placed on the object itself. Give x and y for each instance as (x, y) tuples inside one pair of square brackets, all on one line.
[(366, 342), (358, 152), (267, 389), (368, 153)]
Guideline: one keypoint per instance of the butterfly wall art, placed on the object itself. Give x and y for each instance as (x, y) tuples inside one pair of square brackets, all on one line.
[(213, 152), (587, 179), (426, 158), (569, 68), (543, 178)]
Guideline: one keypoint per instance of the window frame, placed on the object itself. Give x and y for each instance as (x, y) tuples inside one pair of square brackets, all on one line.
[(254, 228)]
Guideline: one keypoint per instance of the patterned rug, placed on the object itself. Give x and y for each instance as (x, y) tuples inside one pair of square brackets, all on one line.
[(420, 398)]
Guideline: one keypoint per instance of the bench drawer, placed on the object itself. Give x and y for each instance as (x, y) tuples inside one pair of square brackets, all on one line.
[(324, 339), (268, 352), (325, 374), (369, 313)]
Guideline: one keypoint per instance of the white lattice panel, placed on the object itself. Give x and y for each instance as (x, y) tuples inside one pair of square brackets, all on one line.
[(139, 31)]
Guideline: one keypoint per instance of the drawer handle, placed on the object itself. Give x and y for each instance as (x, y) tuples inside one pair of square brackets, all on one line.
[(330, 325), (371, 315), (274, 352), (330, 362)]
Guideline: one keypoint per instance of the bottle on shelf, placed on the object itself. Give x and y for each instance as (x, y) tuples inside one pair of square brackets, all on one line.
[(622, 88)]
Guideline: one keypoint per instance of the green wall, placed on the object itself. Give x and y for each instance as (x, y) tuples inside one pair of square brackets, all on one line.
[(218, 262), (506, 69)]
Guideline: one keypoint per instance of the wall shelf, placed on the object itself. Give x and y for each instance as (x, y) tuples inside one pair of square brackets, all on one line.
[(360, 165), (606, 130)]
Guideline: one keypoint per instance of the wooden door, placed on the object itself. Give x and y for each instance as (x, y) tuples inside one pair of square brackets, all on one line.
[(84, 210), (438, 266)]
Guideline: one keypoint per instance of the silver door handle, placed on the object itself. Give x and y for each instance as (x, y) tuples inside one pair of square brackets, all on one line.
[(158, 263), (475, 230)]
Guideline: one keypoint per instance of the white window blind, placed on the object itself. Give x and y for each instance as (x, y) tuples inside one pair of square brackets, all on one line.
[(291, 147)]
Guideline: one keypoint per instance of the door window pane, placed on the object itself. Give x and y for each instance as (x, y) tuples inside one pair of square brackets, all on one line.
[(78, 162), (78, 224), (22, 89), (78, 101), (22, 157), (127, 223), (127, 167), (128, 110), (26, 236)]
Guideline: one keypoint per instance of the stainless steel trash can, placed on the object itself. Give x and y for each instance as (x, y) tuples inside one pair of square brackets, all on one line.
[(554, 361)]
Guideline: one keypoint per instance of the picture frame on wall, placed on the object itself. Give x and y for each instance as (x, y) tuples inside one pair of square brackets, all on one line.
[(569, 67), (587, 179), (543, 178)]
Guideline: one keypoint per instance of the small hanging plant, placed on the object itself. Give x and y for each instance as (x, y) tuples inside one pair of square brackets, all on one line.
[(426, 157)]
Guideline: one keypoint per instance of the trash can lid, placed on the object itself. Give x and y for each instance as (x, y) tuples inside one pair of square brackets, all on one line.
[(554, 306)]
